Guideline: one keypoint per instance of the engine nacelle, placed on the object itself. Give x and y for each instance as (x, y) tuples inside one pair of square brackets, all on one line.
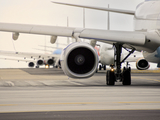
[(49, 61), (31, 64), (53, 39), (106, 55), (40, 62), (79, 60), (142, 64)]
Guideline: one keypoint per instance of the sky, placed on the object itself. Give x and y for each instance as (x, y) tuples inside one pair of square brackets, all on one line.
[(43, 12)]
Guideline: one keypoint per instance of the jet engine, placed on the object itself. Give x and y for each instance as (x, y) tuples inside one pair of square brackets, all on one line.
[(49, 61), (79, 60), (31, 64), (142, 64), (40, 62)]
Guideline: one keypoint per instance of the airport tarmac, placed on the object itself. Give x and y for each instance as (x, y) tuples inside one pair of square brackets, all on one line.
[(49, 94)]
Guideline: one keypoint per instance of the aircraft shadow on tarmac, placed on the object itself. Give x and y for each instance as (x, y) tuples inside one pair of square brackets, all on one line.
[(97, 83)]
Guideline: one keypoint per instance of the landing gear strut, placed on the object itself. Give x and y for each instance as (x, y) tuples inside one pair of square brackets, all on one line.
[(117, 75)]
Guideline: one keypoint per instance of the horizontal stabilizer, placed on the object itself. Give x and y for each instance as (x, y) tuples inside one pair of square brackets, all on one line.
[(99, 8)]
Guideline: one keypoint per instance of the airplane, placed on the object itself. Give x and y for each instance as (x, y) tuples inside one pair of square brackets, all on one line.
[(33, 58), (107, 58), (80, 60)]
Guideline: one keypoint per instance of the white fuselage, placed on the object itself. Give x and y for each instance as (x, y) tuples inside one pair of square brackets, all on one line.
[(147, 18)]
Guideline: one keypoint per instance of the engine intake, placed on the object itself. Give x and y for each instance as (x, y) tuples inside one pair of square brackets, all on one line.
[(40, 62), (49, 62), (31, 64), (142, 64), (79, 60)]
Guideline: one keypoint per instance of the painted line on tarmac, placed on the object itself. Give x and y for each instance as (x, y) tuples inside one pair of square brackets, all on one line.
[(139, 102), (77, 103), (84, 103), (77, 110), (142, 78), (8, 104)]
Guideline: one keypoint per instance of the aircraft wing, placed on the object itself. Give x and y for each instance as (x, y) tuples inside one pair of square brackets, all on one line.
[(106, 36), (36, 29), (28, 55)]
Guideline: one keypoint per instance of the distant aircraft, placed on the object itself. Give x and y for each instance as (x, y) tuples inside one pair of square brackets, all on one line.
[(107, 58), (80, 60), (34, 59)]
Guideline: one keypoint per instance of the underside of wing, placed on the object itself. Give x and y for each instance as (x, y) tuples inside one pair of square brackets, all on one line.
[(108, 36)]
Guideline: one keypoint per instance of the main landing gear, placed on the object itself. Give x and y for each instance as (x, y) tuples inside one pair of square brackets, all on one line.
[(102, 66), (124, 76)]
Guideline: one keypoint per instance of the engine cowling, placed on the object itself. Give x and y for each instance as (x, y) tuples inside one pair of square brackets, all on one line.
[(106, 55), (142, 64), (31, 64), (79, 60), (49, 61), (40, 62)]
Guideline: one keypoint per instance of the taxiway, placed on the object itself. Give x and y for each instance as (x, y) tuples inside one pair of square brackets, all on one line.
[(48, 93)]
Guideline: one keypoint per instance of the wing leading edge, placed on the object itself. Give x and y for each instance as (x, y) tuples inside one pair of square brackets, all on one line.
[(36, 29)]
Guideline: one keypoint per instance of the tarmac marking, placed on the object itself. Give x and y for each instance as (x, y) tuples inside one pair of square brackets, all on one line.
[(66, 103), (80, 103), (147, 79), (140, 102), (76, 110), (8, 104)]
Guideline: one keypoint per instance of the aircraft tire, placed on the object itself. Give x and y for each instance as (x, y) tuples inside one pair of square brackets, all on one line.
[(104, 67), (100, 67), (126, 80), (110, 78), (37, 66)]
